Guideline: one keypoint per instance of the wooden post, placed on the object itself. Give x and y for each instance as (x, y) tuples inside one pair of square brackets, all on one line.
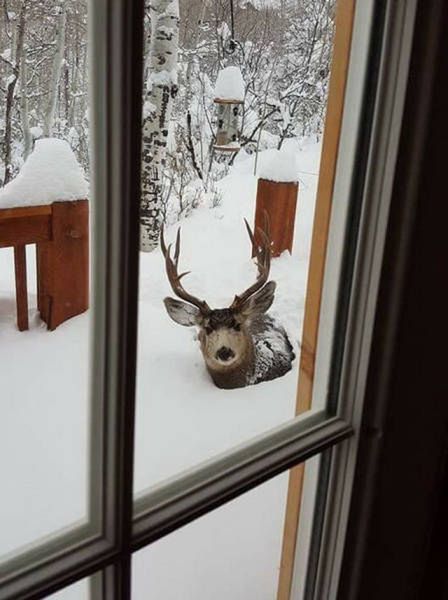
[(63, 264), (278, 200), (61, 234), (21, 287), (341, 53)]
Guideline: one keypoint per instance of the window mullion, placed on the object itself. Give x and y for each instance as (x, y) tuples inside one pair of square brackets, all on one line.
[(113, 582), (220, 480), (117, 43)]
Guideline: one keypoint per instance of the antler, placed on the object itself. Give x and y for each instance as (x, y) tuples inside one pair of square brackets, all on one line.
[(173, 276), (263, 258)]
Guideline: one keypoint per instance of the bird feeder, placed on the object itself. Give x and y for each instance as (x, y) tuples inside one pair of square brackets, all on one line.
[(229, 98)]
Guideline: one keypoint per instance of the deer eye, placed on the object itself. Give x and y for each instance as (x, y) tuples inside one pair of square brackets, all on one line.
[(208, 329), (236, 326)]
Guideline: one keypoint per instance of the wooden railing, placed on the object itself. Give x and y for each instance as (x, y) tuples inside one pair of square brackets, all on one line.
[(61, 234)]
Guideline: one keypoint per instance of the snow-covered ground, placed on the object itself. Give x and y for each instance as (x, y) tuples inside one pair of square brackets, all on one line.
[(182, 419)]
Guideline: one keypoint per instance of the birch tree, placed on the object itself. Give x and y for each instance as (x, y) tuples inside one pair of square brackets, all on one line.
[(19, 32), (158, 105), (56, 71)]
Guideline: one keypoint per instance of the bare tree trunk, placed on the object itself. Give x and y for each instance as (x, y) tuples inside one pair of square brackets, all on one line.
[(27, 139), (10, 90), (56, 72), (66, 72), (161, 91)]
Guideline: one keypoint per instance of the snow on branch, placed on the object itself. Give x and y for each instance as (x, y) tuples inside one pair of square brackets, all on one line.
[(50, 173)]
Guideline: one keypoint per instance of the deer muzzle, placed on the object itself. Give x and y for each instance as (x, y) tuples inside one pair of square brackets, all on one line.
[(225, 354)]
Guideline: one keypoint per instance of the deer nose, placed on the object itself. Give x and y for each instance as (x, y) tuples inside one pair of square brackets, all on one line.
[(225, 353)]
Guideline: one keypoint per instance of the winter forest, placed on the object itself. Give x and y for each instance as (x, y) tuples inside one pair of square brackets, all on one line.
[(282, 48)]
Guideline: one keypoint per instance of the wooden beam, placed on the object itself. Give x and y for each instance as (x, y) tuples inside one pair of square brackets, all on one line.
[(24, 211), (21, 230), (21, 287), (333, 121)]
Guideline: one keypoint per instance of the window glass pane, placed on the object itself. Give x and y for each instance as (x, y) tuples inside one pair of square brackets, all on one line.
[(77, 591), (209, 379), (233, 552), (44, 247)]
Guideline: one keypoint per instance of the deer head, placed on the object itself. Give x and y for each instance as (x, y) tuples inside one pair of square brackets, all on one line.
[(224, 333)]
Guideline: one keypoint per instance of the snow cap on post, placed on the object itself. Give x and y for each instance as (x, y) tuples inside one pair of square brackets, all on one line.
[(50, 174), (229, 86), (279, 165)]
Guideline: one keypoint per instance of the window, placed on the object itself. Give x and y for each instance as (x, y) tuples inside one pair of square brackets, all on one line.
[(359, 185)]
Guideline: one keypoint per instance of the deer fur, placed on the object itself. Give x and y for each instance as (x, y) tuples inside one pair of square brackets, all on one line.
[(241, 344)]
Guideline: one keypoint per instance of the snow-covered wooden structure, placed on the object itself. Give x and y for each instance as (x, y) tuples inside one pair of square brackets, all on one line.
[(60, 232), (46, 205), (229, 98), (277, 192)]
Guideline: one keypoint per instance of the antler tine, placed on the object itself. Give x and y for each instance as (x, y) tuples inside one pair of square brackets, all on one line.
[(174, 277), (260, 251), (263, 258), (251, 233)]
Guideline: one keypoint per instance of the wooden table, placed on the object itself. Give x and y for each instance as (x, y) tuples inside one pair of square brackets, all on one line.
[(61, 234)]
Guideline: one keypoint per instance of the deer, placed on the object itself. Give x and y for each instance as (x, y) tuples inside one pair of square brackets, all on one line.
[(241, 344)]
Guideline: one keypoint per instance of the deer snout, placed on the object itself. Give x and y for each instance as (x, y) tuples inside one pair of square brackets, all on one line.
[(224, 353)]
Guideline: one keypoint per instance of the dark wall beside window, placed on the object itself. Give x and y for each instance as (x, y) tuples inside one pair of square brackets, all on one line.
[(397, 540)]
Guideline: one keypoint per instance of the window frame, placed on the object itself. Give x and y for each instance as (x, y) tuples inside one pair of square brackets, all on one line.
[(396, 536), (116, 39), (393, 28)]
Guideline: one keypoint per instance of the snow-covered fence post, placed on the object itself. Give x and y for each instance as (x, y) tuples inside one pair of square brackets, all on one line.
[(161, 91), (54, 216), (277, 198)]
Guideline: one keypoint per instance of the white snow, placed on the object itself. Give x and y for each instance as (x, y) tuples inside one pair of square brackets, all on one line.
[(229, 85), (163, 77), (10, 79), (230, 146), (50, 173), (148, 108), (182, 418), (172, 10), (279, 165), (223, 30), (36, 131)]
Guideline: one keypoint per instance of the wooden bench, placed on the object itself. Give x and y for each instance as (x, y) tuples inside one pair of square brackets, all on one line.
[(61, 234)]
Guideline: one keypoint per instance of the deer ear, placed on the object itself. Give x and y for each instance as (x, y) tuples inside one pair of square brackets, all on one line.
[(261, 301), (181, 312)]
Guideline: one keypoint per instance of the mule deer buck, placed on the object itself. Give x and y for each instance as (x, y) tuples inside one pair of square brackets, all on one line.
[(241, 345)]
